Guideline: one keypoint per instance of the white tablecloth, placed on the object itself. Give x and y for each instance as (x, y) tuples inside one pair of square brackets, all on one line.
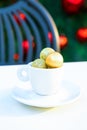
[(17, 116)]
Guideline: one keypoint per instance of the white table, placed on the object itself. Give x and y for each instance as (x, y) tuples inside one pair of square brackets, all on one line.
[(16, 116)]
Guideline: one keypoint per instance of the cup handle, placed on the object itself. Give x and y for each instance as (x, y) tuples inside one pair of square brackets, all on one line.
[(22, 74)]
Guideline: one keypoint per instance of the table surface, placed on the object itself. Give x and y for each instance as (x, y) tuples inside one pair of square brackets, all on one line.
[(17, 116)]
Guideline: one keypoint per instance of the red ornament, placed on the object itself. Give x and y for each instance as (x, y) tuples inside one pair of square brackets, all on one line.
[(50, 37), (22, 17), (72, 6), (16, 56), (63, 40), (81, 34), (25, 45), (33, 45)]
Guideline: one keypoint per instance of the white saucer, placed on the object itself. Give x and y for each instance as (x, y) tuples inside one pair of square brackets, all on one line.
[(68, 93)]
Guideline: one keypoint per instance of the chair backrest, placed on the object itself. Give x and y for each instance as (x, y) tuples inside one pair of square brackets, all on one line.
[(25, 28)]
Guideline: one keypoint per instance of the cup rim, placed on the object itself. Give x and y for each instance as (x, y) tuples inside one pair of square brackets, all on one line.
[(47, 69)]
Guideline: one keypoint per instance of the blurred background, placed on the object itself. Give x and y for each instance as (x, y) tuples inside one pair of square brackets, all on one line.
[(70, 17)]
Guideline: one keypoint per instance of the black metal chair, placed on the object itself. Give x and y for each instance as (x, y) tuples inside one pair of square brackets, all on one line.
[(26, 21)]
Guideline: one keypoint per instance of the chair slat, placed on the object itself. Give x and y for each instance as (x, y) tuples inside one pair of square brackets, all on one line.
[(10, 38), (36, 32)]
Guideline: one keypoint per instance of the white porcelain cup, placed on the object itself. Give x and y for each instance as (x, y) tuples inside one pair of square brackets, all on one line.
[(43, 81)]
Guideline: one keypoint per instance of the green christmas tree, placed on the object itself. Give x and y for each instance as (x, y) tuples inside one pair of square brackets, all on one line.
[(70, 16)]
